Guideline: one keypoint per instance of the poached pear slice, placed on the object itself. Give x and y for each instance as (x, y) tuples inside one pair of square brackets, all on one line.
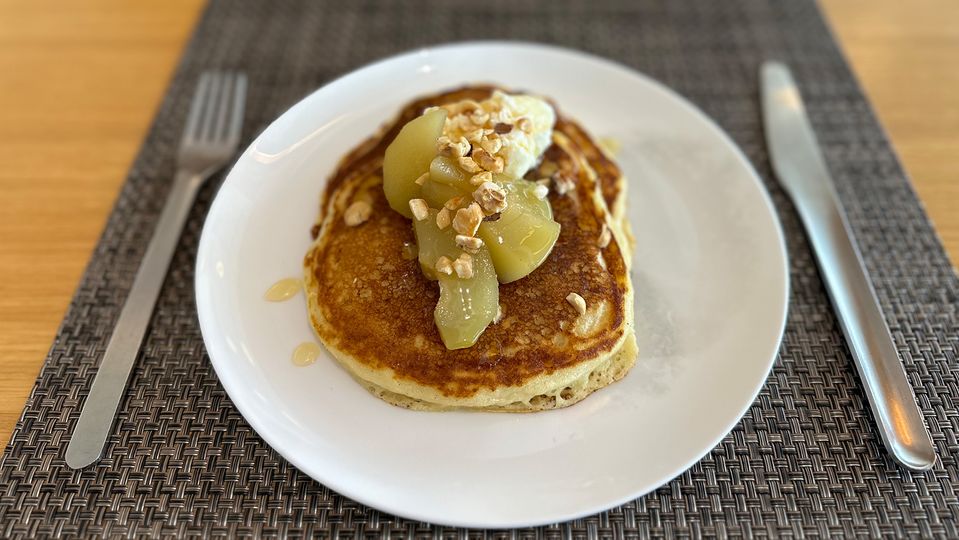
[(466, 305), (408, 157), (432, 243), (524, 192), (523, 236), (447, 180), (436, 194), (446, 171)]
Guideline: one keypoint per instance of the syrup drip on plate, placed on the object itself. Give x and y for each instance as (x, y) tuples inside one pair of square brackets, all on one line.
[(283, 290), (306, 353)]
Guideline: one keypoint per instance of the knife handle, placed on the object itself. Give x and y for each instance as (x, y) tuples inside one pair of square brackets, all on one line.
[(874, 352)]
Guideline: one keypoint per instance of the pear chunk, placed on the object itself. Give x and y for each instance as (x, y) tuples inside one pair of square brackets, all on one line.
[(408, 157), (467, 305), (523, 236)]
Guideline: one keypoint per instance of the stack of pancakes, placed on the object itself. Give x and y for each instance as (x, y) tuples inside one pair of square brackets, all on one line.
[(372, 307)]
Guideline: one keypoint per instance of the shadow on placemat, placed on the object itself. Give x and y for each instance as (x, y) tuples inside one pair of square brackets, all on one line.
[(805, 460)]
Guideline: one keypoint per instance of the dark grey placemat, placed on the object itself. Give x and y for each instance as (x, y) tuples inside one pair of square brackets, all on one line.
[(805, 460)]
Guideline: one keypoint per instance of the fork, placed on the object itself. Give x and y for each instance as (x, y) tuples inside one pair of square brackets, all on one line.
[(209, 140)]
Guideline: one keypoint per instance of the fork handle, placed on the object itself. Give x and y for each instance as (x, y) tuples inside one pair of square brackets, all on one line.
[(100, 407)]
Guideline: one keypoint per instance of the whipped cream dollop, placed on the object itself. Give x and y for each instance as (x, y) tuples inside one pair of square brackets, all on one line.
[(515, 127)]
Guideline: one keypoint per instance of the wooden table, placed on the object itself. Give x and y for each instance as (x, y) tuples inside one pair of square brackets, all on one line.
[(80, 81)]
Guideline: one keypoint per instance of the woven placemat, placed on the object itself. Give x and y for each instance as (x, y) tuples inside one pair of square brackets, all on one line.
[(804, 461)]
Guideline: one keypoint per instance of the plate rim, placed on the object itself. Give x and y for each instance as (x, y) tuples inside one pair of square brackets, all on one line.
[(208, 327)]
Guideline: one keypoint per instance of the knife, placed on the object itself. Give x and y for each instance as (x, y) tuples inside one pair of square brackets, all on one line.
[(801, 169)]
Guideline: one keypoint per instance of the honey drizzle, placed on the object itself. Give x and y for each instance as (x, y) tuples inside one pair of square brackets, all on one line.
[(306, 353), (283, 290)]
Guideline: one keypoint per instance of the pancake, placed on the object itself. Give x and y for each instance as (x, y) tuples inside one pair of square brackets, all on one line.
[(372, 307), (612, 183)]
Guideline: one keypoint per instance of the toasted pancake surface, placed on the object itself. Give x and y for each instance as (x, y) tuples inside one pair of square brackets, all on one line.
[(372, 307)]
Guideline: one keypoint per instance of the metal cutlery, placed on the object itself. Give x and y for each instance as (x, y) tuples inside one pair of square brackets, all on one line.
[(209, 141), (801, 170)]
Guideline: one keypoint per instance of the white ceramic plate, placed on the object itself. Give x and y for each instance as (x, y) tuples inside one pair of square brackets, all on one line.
[(710, 275)]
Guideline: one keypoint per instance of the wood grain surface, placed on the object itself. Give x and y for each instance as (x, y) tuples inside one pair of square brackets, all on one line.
[(80, 81)]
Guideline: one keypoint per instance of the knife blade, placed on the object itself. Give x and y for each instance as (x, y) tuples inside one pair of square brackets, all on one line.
[(801, 169)]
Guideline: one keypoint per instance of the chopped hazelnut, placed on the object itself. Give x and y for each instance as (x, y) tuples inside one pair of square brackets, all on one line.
[(464, 106), (462, 147), (502, 128), (422, 179), (454, 203), (467, 220), (357, 213), (419, 208), (488, 161), (475, 136), (444, 265), (443, 218), (462, 121), (490, 197), (541, 191), (444, 146), (448, 148), (467, 164), (463, 266), (469, 243), (479, 178), (479, 117), (577, 302), (492, 145), (564, 182)]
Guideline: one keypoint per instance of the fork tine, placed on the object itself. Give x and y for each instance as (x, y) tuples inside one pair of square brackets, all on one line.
[(222, 105), (209, 107), (239, 103), (196, 107)]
